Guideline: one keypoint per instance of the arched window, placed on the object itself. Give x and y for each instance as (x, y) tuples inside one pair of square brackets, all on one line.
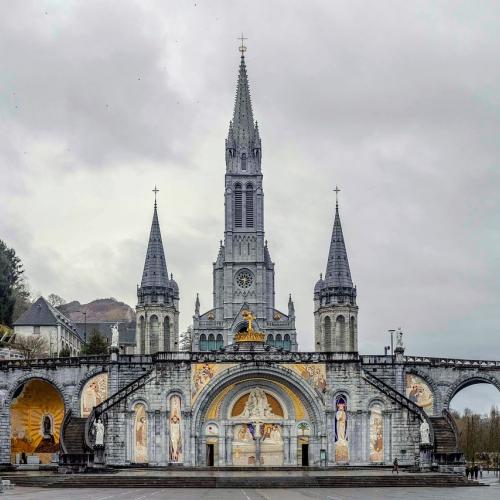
[(287, 344), (142, 335), (154, 334), (219, 341), (352, 336), (340, 333), (211, 342), (243, 161), (279, 341), (328, 334), (166, 334), (249, 218), (238, 205), (203, 342), (270, 340)]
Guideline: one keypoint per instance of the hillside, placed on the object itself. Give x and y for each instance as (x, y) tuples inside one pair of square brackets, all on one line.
[(98, 310)]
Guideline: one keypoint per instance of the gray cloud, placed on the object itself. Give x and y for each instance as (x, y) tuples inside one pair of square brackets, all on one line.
[(396, 103)]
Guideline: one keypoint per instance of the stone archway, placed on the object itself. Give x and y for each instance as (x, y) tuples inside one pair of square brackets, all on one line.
[(297, 400), (467, 381), (36, 413)]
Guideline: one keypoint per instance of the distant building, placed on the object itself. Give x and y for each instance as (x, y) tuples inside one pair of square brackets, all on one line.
[(45, 320)]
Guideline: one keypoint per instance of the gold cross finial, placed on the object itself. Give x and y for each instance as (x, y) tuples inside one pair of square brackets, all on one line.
[(155, 190), (242, 48)]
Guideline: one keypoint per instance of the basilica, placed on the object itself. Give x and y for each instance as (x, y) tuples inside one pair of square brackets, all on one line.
[(243, 395)]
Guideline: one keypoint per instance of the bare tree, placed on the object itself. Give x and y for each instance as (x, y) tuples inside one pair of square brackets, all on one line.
[(32, 346), (55, 300)]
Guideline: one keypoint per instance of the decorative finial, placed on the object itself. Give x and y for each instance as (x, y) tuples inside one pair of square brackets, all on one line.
[(337, 191), (155, 190), (242, 47)]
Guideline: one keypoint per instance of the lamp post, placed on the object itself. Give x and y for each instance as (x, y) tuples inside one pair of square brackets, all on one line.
[(392, 343)]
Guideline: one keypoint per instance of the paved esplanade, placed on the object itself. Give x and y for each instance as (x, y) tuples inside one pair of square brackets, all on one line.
[(485, 493)]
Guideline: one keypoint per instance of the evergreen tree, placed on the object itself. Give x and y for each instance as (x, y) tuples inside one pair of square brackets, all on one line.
[(65, 352), (11, 279), (96, 344)]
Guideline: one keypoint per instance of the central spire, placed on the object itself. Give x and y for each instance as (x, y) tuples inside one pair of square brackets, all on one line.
[(243, 125)]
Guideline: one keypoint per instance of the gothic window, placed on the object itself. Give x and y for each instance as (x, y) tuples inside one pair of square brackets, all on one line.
[(203, 342), (249, 216), (154, 334), (328, 334), (341, 333), (243, 161), (279, 341), (142, 333), (270, 340), (352, 327), (219, 342), (287, 344), (166, 334), (238, 206), (211, 342)]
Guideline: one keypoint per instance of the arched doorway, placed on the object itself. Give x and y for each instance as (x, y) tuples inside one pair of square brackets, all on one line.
[(256, 414), (36, 414)]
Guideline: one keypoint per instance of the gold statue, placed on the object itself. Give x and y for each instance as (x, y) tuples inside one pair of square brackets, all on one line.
[(250, 335)]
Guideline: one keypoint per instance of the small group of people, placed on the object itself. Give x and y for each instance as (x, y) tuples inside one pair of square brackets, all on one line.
[(474, 471)]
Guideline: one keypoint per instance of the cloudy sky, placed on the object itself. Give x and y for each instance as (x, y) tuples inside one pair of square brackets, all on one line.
[(396, 102)]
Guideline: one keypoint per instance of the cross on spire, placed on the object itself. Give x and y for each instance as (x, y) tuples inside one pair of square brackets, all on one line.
[(155, 190), (242, 47), (336, 191)]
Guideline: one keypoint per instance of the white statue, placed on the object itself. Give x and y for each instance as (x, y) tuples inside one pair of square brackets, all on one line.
[(399, 339), (99, 433), (114, 335), (425, 434), (257, 405)]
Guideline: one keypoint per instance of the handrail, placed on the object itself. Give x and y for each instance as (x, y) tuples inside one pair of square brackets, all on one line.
[(64, 423), (399, 398), (113, 400), (451, 422)]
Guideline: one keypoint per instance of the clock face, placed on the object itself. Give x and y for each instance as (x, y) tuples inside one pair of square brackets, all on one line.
[(244, 278)]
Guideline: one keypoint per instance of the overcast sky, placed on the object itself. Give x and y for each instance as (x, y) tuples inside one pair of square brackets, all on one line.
[(398, 103)]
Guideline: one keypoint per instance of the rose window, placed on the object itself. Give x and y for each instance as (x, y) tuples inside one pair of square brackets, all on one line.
[(244, 279)]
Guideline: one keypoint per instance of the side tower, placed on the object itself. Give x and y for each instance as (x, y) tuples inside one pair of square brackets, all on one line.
[(157, 310), (335, 309), (243, 273)]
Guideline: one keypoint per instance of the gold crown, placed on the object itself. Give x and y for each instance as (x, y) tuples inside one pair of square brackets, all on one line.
[(252, 336)]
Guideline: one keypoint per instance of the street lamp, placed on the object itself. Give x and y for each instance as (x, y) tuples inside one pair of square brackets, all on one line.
[(392, 343)]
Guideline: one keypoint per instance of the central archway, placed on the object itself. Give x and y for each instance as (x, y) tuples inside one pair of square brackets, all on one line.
[(257, 411)]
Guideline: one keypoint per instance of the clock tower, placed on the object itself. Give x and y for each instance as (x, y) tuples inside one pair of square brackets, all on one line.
[(243, 273)]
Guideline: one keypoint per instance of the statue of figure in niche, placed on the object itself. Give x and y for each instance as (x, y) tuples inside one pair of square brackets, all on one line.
[(425, 433), (47, 444), (47, 427), (99, 433)]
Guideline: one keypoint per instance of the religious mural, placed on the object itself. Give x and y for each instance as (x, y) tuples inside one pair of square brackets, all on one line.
[(341, 438), (175, 430), (313, 373), (244, 449), (36, 414), (418, 391), (203, 373), (94, 392), (141, 434), (271, 444), (376, 434)]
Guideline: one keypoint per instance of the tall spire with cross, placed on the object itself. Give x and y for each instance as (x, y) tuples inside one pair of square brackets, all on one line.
[(337, 266), (155, 266)]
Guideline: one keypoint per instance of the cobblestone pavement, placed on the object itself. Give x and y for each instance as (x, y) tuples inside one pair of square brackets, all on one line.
[(479, 493)]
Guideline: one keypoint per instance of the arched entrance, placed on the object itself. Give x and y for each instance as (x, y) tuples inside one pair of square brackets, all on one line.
[(36, 414), (259, 417)]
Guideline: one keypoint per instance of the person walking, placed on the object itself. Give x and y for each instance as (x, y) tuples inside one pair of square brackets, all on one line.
[(467, 472), (395, 466)]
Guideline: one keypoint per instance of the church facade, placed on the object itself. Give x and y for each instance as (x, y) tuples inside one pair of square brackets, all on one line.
[(243, 395)]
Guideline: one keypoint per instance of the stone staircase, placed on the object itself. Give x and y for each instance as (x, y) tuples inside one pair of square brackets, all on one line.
[(205, 481), (444, 437)]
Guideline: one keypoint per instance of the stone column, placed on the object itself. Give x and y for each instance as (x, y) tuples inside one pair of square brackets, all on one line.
[(257, 450), (229, 445), (286, 444)]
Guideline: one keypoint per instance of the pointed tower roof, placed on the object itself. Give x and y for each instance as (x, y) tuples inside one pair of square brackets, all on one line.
[(242, 128), (337, 267), (155, 267)]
